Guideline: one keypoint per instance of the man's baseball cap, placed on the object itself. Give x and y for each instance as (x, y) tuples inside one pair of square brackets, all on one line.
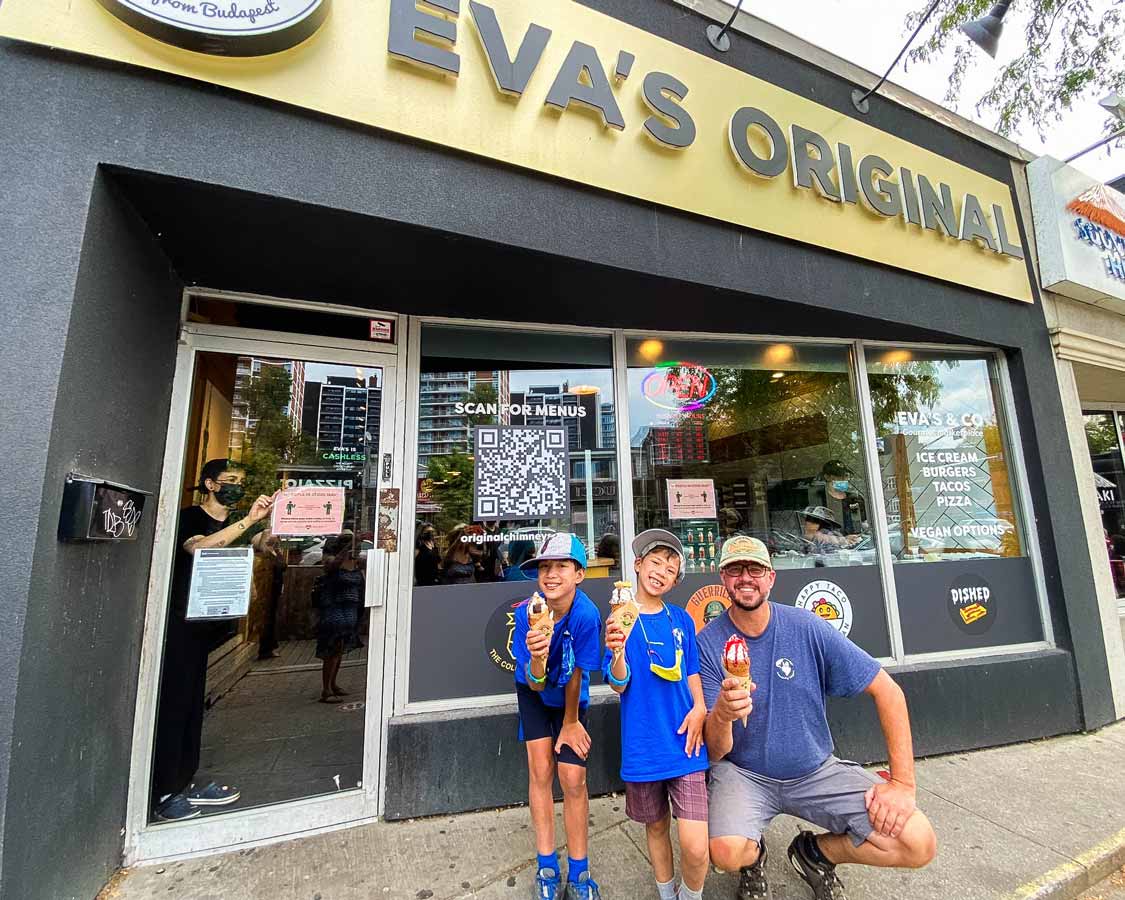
[(557, 546), (654, 538), (744, 549)]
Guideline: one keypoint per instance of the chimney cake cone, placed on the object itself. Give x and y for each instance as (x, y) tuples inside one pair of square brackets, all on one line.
[(736, 664), (540, 616), (623, 609)]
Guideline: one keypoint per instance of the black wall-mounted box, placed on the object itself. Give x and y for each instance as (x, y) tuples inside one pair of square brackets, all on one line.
[(94, 509)]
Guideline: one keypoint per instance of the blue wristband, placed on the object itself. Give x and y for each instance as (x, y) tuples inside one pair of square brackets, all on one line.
[(534, 680), (624, 681)]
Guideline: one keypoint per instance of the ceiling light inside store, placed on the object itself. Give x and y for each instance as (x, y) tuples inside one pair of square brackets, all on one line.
[(779, 354), (777, 375), (583, 389), (897, 356), (651, 349)]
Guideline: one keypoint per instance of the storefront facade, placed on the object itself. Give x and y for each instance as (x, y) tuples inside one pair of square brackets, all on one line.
[(494, 271), (1080, 236)]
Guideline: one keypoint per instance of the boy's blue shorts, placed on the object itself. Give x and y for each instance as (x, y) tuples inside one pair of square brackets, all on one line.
[(538, 720)]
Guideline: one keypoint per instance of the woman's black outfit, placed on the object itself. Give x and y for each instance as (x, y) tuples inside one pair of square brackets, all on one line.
[(427, 565), (183, 676)]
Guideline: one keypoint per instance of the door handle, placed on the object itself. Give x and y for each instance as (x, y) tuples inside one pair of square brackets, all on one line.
[(376, 568)]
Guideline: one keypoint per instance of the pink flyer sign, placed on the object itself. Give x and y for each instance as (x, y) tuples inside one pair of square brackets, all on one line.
[(308, 510)]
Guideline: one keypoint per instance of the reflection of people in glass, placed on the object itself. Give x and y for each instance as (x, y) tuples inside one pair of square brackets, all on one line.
[(822, 531), (272, 549), (183, 680), (609, 547), (490, 566), (427, 560), (339, 599), (730, 521), (462, 557), (519, 552), (838, 480)]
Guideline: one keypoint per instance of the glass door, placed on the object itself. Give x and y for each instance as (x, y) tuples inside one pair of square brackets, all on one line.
[(267, 686)]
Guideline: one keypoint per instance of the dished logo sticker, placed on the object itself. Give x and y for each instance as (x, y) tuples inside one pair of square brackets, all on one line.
[(972, 604)]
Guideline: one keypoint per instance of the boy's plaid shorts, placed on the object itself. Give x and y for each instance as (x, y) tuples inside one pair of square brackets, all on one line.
[(647, 801)]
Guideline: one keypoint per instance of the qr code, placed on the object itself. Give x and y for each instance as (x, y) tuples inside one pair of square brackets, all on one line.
[(521, 473)]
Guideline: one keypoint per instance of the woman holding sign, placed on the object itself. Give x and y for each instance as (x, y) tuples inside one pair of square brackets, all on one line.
[(183, 680)]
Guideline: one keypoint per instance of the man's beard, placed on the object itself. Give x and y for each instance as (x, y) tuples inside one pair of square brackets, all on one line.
[(748, 607)]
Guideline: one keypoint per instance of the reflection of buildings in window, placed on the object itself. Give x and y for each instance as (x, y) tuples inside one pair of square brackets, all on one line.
[(342, 414), (248, 367), (441, 430), (608, 426), (585, 431)]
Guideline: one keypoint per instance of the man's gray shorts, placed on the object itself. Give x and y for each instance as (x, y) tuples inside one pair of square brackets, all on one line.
[(832, 796)]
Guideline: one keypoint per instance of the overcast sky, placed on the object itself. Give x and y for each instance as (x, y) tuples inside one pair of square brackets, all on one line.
[(871, 32)]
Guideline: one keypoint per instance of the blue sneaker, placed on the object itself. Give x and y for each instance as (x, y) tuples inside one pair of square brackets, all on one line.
[(547, 884), (212, 795), (585, 888), (175, 808)]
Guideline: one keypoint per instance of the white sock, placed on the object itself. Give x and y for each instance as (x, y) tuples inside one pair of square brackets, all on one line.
[(667, 889), (687, 893), (165, 797)]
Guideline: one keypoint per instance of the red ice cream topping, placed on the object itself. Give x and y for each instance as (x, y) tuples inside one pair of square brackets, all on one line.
[(735, 652)]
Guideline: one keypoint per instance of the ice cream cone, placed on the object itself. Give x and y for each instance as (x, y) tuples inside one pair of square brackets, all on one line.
[(736, 664), (540, 616), (623, 609)]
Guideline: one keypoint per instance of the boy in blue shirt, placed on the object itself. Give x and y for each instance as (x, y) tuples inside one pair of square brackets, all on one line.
[(553, 690), (655, 669)]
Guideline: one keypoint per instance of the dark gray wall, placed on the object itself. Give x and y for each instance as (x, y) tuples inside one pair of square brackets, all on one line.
[(448, 762), (65, 116), (73, 722)]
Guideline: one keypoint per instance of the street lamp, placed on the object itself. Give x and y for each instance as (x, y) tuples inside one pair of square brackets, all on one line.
[(1115, 104), (985, 32)]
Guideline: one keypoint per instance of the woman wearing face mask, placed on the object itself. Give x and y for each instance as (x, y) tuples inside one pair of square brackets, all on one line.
[(183, 681)]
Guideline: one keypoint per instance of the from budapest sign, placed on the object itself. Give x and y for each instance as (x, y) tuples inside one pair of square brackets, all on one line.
[(224, 27)]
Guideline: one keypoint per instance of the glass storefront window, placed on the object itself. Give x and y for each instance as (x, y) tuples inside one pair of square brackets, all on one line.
[(759, 439), (949, 500), (516, 438), (1103, 435)]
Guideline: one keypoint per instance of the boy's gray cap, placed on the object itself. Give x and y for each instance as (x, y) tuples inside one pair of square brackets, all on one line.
[(647, 541)]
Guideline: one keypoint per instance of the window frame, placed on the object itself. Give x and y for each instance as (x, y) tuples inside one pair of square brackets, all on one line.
[(856, 349), (1117, 410)]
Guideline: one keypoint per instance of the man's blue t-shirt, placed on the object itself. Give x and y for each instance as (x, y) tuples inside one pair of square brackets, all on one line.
[(652, 708), (795, 663), (579, 631)]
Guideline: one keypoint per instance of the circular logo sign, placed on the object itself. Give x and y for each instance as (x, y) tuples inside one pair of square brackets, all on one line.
[(680, 386), (224, 27), (785, 669), (707, 604), (972, 604), (498, 636), (828, 600)]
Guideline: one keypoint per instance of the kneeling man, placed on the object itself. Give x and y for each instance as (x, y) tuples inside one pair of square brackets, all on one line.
[(781, 761)]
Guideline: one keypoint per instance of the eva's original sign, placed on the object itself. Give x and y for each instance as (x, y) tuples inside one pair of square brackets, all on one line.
[(560, 89)]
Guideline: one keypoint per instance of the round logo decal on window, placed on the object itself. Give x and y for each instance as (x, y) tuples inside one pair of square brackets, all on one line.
[(707, 604), (828, 600), (224, 27), (498, 636), (972, 604)]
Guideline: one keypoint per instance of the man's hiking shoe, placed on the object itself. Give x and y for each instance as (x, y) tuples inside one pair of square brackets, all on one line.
[(752, 883), (547, 884), (821, 877), (585, 888)]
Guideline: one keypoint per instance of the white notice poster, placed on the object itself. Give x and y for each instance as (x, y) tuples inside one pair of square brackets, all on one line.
[(691, 498), (220, 583)]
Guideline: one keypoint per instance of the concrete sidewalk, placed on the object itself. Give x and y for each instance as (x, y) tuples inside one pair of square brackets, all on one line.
[(1038, 820)]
